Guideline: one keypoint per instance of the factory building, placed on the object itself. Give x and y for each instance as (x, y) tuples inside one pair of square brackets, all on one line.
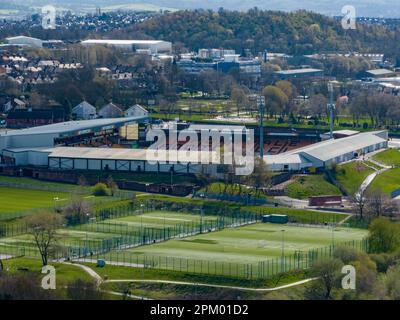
[(24, 41), (152, 46)]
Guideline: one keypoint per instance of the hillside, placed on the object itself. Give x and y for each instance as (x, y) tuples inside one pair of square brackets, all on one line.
[(296, 33), (371, 8)]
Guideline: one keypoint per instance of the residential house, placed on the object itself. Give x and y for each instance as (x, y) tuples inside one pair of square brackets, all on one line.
[(110, 111), (84, 111), (136, 111)]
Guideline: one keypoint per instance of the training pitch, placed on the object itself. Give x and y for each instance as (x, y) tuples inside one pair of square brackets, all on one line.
[(252, 243)]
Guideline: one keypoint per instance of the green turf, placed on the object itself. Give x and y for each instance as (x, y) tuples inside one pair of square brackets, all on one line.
[(295, 215), (64, 273), (352, 174), (159, 219), (311, 185), (249, 244), (93, 234), (390, 157), (387, 181), (18, 200)]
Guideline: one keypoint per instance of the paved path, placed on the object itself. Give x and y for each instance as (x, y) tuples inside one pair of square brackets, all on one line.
[(89, 271), (213, 285), (368, 180), (99, 281), (126, 295)]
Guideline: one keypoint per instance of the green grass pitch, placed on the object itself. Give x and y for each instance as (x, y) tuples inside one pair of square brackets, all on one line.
[(17, 200), (249, 244)]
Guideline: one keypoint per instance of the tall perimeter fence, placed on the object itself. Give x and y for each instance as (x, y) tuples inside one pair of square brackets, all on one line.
[(120, 236), (263, 269)]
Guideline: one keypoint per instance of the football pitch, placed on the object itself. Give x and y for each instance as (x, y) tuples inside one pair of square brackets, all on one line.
[(18, 200), (249, 244)]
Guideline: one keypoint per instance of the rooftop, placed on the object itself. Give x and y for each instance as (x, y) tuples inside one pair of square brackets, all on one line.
[(378, 72), (328, 149), (295, 71), (128, 154), (70, 126), (121, 42), (219, 127)]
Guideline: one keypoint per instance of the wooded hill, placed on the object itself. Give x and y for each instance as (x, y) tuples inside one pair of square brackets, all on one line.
[(299, 32)]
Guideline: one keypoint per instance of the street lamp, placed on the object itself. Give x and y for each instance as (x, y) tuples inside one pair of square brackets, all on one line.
[(283, 250)]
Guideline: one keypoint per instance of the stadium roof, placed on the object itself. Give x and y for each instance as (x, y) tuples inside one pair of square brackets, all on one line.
[(129, 154), (328, 149), (71, 126)]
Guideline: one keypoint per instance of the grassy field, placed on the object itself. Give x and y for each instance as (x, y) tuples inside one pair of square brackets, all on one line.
[(17, 200), (295, 215), (160, 219), (249, 244), (350, 175), (231, 189), (94, 234), (387, 181), (390, 157), (311, 185), (64, 273)]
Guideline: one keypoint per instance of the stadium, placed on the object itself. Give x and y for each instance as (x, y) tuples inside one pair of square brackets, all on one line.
[(108, 144)]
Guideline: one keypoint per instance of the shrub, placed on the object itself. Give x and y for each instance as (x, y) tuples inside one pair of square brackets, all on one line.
[(100, 190)]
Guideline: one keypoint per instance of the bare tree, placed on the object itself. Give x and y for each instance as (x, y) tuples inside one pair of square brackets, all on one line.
[(112, 185), (43, 227), (358, 201), (261, 176), (77, 210)]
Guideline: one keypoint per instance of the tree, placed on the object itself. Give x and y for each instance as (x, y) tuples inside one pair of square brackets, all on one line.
[(383, 236), (100, 190), (112, 185), (392, 282), (318, 105), (358, 201), (43, 227), (77, 210), (238, 95), (275, 100), (329, 271), (24, 287), (261, 176), (83, 290)]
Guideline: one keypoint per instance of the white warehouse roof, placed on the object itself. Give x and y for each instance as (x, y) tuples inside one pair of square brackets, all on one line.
[(330, 149), (70, 126), (327, 150), (121, 42)]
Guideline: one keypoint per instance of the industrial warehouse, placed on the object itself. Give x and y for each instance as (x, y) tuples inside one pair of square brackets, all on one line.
[(153, 46)]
